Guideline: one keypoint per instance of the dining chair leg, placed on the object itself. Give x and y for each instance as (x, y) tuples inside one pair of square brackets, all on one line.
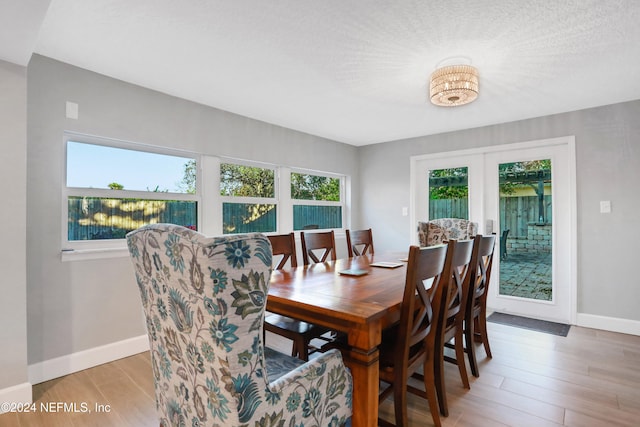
[(462, 366), (439, 372), (481, 329), (300, 349), (470, 347), (439, 381), (400, 402), (430, 389)]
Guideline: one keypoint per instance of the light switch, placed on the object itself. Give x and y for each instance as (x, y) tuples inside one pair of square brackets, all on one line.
[(488, 226), (405, 211), (605, 206), (72, 110)]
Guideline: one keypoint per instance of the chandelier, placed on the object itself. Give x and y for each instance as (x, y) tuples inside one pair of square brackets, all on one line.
[(454, 85)]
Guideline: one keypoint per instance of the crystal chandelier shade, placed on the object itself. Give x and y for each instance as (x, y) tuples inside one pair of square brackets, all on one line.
[(454, 85)]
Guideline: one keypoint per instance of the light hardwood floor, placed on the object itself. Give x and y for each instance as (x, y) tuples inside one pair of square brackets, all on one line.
[(590, 378)]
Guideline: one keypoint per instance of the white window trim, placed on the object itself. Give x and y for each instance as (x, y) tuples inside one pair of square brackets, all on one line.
[(211, 218), (285, 211)]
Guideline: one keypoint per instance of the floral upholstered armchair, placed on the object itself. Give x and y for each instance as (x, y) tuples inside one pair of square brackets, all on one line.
[(204, 301), (438, 231)]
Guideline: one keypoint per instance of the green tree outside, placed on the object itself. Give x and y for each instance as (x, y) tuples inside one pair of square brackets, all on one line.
[(188, 183), (314, 187), (246, 181), (459, 190)]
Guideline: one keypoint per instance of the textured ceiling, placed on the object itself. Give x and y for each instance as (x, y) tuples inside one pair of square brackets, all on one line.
[(356, 71), (20, 22)]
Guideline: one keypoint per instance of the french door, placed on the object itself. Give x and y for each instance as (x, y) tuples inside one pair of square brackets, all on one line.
[(525, 194)]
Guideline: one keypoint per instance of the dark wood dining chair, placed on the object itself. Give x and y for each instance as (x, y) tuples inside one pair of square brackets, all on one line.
[(410, 344), (475, 318), (359, 242), (284, 245), (323, 241), (451, 325), (301, 333)]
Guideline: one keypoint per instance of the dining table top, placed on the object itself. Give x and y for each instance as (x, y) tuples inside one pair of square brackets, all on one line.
[(331, 289)]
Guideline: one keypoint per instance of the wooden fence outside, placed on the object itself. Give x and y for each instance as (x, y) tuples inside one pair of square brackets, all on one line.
[(237, 218), (449, 208), (306, 217), (515, 212), (95, 218)]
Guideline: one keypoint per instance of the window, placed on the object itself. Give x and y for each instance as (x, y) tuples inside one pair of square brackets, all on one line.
[(449, 193), (116, 188), (317, 201), (248, 198)]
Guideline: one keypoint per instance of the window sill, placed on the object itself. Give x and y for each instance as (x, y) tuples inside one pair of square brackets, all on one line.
[(69, 255), (89, 254)]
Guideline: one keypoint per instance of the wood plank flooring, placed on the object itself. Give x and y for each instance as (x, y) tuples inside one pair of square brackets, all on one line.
[(590, 378)]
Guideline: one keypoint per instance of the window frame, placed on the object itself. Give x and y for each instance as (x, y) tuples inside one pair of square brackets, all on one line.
[(304, 202), (275, 200), (77, 247)]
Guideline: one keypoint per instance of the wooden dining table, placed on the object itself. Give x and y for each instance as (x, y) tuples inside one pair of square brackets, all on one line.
[(360, 306)]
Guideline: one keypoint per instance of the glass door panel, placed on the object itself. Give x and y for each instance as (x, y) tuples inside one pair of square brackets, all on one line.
[(449, 193), (525, 218)]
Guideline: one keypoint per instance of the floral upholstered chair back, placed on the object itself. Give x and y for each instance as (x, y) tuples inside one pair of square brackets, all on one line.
[(438, 231), (204, 301)]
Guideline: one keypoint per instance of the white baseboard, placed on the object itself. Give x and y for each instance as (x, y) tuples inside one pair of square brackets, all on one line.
[(613, 324), (20, 393), (68, 364)]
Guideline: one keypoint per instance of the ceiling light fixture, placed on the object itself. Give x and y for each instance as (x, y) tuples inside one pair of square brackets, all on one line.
[(454, 85)]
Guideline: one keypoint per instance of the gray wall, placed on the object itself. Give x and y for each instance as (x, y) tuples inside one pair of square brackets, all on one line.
[(608, 168), (13, 282), (78, 305)]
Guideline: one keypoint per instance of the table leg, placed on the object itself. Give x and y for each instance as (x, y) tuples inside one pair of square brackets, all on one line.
[(366, 383)]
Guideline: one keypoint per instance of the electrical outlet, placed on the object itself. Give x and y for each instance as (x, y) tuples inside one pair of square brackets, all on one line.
[(605, 206)]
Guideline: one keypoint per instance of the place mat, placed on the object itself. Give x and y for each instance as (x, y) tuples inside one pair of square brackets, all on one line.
[(386, 264), (547, 327), (353, 272)]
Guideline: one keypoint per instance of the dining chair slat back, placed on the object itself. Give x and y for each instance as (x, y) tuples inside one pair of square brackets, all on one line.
[(359, 242), (284, 245), (322, 241)]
